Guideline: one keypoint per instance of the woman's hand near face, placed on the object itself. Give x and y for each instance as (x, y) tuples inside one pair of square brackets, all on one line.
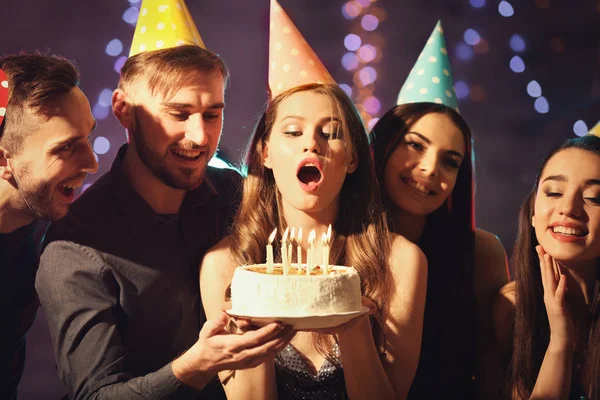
[(562, 328)]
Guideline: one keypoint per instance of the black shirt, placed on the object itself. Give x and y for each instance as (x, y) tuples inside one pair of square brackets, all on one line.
[(119, 284), (19, 256)]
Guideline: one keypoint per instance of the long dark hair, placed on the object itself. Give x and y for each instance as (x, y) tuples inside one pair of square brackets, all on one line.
[(531, 331), (447, 358), (361, 237)]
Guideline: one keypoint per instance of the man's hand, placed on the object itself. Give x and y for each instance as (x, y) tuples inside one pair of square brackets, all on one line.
[(217, 350)]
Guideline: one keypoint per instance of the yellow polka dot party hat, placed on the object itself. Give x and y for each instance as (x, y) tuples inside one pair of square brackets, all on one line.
[(595, 130), (162, 24), (430, 80), (292, 62)]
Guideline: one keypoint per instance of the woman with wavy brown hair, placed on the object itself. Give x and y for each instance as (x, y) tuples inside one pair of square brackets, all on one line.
[(309, 166), (548, 319)]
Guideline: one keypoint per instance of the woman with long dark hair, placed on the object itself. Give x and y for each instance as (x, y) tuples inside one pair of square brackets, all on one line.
[(547, 320), (424, 162)]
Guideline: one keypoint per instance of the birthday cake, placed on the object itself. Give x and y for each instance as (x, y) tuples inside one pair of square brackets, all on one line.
[(254, 292)]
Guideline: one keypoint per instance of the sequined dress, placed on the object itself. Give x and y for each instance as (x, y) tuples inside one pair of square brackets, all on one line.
[(295, 381)]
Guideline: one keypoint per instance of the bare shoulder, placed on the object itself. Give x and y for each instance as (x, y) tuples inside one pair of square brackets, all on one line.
[(216, 272), (406, 256), (503, 311), (488, 247), (408, 267), (219, 252), (491, 266), (218, 260)]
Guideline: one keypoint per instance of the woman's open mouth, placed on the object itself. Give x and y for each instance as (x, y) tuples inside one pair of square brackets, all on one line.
[(310, 174)]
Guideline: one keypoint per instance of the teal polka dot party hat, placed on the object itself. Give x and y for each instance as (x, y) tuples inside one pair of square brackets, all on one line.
[(430, 80)]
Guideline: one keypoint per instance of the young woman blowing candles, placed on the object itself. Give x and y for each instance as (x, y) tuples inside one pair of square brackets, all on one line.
[(309, 166)]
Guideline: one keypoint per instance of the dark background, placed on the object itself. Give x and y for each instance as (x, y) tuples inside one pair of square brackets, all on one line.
[(561, 53)]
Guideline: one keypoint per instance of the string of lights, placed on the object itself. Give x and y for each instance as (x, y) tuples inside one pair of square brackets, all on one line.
[(364, 51)]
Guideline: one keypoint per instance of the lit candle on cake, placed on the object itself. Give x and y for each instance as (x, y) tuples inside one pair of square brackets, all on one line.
[(270, 252), (324, 253), (299, 238), (284, 251), (291, 247), (311, 251), (326, 248)]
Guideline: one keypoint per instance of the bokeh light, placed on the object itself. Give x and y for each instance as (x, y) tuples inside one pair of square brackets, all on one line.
[(462, 89), (534, 89), (517, 64), (114, 47), (369, 22), (105, 97), (367, 53), (346, 88), (367, 75), (541, 105), (372, 105), (351, 9), (506, 9), (100, 112), (119, 63), (580, 128), (352, 42), (101, 145), (350, 61), (517, 43), (464, 52), (131, 15), (471, 36)]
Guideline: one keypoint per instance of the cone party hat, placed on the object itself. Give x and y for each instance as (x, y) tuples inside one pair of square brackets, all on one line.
[(292, 62), (430, 80), (163, 24)]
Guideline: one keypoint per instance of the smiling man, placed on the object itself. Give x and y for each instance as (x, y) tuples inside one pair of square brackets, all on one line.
[(45, 123), (118, 277)]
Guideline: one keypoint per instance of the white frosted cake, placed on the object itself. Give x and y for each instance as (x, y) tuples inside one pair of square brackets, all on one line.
[(254, 292)]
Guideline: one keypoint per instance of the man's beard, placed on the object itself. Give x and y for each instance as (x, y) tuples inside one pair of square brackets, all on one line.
[(181, 178), (38, 196)]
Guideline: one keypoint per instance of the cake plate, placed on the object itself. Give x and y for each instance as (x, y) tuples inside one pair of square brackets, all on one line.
[(304, 323)]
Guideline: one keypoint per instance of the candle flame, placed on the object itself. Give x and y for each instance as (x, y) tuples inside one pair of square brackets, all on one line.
[(324, 239), (272, 236), (299, 237), (329, 234), (285, 235), (311, 237), (292, 234)]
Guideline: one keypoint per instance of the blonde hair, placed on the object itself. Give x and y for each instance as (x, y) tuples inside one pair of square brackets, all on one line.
[(165, 71)]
